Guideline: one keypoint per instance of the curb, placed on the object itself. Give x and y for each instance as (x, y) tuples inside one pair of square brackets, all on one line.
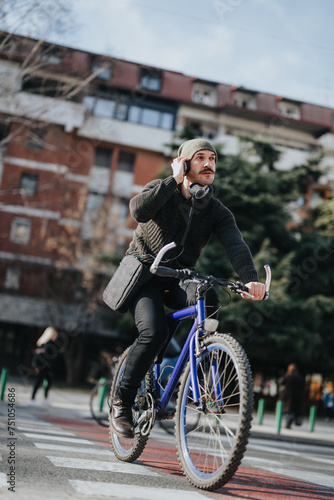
[(293, 438)]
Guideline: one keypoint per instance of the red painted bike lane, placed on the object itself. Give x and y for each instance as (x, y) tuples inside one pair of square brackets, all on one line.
[(247, 483)]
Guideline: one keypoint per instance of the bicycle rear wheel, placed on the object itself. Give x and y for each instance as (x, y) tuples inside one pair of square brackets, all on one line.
[(126, 449), (211, 441), (99, 402)]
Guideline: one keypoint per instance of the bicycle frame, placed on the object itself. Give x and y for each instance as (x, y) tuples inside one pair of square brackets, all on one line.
[(188, 351)]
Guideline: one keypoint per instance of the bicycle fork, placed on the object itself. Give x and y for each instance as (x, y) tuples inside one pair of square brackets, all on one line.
[(195, 352), (213, 371)]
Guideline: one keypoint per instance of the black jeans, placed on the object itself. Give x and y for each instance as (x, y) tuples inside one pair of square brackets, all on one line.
[(150, 317), (45, 373)]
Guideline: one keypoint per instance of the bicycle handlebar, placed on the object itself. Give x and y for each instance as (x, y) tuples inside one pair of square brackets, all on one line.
[(236, 287)]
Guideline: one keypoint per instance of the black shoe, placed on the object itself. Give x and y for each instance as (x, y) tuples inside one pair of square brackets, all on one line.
[(121, 421), (289, 422)]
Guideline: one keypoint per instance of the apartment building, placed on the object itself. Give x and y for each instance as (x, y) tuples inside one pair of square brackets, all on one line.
[(80, 134)]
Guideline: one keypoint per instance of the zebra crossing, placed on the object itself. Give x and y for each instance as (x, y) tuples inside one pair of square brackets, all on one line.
[(71, 459), (65, 449)]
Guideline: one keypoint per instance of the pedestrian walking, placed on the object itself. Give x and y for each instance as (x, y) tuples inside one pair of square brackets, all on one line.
[(328, 398), (292, 396), (45, 354)]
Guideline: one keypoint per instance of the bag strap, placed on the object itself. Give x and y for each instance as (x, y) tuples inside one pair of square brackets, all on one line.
[(185, 233)]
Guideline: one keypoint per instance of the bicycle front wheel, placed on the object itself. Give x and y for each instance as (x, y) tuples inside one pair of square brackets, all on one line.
[(211, 441), (126, 449)]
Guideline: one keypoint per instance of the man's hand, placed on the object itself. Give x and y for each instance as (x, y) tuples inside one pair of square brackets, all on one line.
[(256, 289), (178, 168)]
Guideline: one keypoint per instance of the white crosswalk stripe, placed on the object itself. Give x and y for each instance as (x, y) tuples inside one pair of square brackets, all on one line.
[(48, 430), (3, 480), (279, 468), (74, 449), (33, 422), (128, 492), (57, 438), (82, 463)]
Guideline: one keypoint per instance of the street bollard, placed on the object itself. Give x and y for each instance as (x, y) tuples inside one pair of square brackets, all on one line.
[(260, 410), (101, 393), (313, 413), (3, 380), (279, 413)]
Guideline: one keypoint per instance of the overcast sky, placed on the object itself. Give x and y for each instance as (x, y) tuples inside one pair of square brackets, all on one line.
[(284, 47)]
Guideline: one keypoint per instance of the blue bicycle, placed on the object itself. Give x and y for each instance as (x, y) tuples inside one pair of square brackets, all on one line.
[(215, 395)]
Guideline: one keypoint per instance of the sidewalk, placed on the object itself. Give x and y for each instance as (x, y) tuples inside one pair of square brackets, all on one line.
[(322, 434), (74, 403)]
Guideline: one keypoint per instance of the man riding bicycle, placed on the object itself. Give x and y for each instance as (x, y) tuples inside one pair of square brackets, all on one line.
[(162, 211)]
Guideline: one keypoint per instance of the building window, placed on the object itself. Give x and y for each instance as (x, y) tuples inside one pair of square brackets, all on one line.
[(204, 93), (105, 71), (289, 109), (95, 202), (36, 138), (152, 117), (126, 162), (167, 121), (45, 87), (8, 44), (149, 112), (52, 55), (7, 341), (51, 58), (12, 278), (50, 88), (120, 210), (103, 157), (20, 231), (102, 107), (245, 100), (29, 183), (150, 79), (121, 111), (135, 114), (4, 130)]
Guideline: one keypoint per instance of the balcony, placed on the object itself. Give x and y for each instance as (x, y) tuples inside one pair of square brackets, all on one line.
[(48, 109), (126, 133)]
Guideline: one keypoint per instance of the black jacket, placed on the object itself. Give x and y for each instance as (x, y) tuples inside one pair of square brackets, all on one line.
[(162, 213)]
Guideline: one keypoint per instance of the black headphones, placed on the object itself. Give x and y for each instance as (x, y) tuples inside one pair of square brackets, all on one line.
[(186, 164), (198, 191)]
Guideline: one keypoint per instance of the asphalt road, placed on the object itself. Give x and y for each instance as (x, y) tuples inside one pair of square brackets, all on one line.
[(56, 453)]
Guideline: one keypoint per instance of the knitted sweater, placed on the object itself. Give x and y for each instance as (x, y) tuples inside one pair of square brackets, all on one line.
[(162, 213)]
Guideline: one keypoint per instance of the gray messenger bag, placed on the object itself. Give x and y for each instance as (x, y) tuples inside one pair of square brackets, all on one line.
[(128, 279)]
